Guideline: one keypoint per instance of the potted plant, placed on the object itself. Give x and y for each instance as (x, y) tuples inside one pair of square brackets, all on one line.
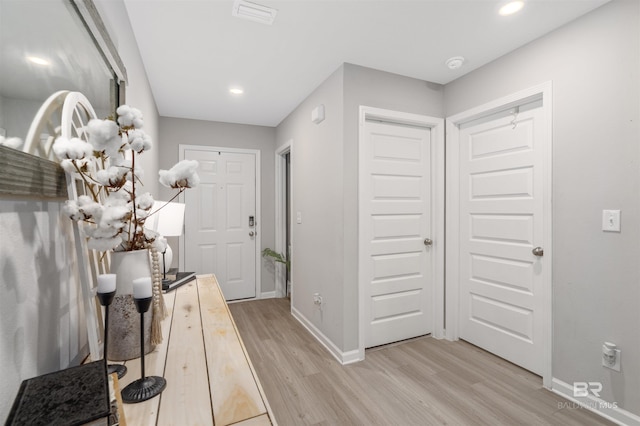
[(277, 257)]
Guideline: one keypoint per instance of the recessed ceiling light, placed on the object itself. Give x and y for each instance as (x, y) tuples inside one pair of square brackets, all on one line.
[(455, 62), (236, 91), (37, 60), (511, 8)]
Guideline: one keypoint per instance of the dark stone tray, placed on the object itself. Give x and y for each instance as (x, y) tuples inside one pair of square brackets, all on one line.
[(73, 396)]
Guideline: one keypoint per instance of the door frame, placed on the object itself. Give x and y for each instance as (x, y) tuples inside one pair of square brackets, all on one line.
[(436, 125), (452, 283), (258, 228), (281, 217)]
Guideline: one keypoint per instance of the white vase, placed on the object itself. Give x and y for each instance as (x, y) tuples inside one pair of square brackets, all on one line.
[(124, 319)]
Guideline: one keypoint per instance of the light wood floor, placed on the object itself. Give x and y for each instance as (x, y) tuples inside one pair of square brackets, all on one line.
[(423, 381)]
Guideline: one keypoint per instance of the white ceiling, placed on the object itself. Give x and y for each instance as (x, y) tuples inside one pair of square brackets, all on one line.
[(194, 50)]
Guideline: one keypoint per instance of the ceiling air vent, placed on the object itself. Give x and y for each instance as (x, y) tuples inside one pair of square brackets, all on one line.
[(254, 12)]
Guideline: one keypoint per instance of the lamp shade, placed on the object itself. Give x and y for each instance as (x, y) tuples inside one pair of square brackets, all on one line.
[(169, 219)]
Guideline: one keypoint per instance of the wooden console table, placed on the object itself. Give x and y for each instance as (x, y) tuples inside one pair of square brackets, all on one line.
[(210, 379)]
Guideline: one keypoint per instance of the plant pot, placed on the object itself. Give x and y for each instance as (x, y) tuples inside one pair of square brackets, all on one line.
[(124, 319)]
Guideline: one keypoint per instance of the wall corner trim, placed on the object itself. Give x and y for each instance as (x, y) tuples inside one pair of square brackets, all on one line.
[(343, 358)]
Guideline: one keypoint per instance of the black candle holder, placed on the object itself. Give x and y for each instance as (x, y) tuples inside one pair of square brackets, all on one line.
[(145, 387), (105, 300), (164, 266)]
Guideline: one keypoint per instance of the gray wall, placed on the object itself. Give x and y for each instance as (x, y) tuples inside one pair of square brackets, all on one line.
[(176, 131), (138, 90), (41, 316), (324, 166), (41, 324), (316, 179), (593, 64)]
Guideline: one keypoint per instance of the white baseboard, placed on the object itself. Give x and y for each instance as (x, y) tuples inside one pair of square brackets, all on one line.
[(342, 357), (268, 295), (608, 410)]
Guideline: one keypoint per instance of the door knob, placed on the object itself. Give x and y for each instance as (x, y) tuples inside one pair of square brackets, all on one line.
[(427, 242), (538, 251), (251, 233)]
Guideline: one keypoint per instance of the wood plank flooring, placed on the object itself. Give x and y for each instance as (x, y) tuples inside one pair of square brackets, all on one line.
[(423, 381)]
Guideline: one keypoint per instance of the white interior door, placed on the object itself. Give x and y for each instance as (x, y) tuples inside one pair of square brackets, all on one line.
[(501, 223), (219, 235), (396, 203)]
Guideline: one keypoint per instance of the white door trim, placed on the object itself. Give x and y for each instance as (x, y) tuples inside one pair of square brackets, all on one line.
[(544, 92), (437, 166), (281, 217), (258, 228)]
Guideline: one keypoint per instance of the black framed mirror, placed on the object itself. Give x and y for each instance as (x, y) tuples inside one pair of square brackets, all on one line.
[(47, 46)]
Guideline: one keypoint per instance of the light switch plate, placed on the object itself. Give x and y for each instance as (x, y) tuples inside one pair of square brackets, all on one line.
[(299, 217), (611, 220)]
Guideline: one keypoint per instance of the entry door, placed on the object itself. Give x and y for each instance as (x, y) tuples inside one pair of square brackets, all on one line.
[(501, 224), (396, 162), (219, 236)]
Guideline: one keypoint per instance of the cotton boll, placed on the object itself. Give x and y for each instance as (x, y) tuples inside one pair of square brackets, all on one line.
[(113, 177), (104, 244), (60, 147), (73, 149), (103, 177), (167, 178), (119, 198), (116, 146), (68, 166), (72, 210), (137, 121), (129, 117), (104, 136), (14, 143), (120, 160), (150, 234), (102, 232), (101, 131), (182, 175), (160, 244), (90, 208), (125, 116), (139, 141), (144, 201), (82, 209), (114, 217)]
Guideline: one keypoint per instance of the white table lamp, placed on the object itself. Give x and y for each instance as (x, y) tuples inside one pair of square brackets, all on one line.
[(169, 222)]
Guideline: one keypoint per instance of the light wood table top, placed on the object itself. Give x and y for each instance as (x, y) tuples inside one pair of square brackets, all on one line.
[(210, 378)]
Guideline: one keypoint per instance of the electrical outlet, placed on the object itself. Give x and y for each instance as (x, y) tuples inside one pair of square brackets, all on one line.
[(317, 299), (615, 365), (611, 356)]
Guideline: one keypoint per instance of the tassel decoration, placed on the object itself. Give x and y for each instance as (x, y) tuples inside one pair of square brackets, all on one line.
[(159, 308)]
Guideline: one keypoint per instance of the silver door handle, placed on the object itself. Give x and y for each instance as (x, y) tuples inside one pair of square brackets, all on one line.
[(427, 242), (538, 251), (251, 233)]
